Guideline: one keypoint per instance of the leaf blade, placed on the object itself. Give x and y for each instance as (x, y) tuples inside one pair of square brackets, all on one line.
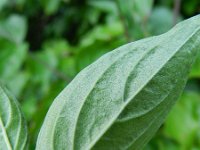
[(110, 86), (12, 123), (5, 135)]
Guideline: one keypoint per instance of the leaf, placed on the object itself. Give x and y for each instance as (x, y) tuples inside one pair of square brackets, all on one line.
[(126, 12), (64, 54), (13, 28), (50, 6), (161, 20), (12, 58), (134, 15), (2, 4), (41, 66), (104, 5), (195, 73), (13, 130), (20, 79), (121, 100), (142, 9)]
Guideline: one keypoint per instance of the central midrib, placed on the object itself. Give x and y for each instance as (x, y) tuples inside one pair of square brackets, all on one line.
[(191, 35)]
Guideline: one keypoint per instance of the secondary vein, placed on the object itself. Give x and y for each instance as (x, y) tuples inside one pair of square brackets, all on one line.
[(5, 135)]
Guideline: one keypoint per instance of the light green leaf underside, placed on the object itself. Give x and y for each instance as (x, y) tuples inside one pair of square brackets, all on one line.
[(120, 101), (13, 131)]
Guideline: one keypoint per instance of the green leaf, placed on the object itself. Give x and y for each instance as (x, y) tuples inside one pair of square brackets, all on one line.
[(161, 20), (121, 100), (50, 6), (142, 9), (2, 4), (134, 15), (20, 79), (104, 5), (12, 57), (41, 66), (13, 130), (13, 28)]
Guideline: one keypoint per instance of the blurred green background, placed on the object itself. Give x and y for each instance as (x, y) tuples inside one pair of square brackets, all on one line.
[(45, 43)]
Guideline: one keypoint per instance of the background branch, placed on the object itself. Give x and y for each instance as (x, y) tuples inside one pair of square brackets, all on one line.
[(177, 5)]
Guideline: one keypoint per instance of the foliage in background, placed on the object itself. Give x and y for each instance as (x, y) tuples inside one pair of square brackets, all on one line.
[(45, 43)]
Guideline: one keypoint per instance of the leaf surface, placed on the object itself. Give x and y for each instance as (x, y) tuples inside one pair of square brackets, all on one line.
[(13, 130), (195, 73), (120, 101)]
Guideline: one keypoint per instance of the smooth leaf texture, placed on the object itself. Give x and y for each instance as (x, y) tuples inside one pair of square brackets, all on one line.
[(13, 130), (120, 101)]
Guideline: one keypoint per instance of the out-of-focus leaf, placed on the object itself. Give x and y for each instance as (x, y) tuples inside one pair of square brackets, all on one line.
[(29, 107), (142, 9), (183, 123), (93, 15), (50, 6), (102, 33), (134, 16), (2, 3), (20, 79), (12, 57), (125, 12), (41, 66), (58, 46), (65, 56), (13, 28), (121, 100), (13, 130), (19, 2), (161, 20), (40, 69), (108, 6)]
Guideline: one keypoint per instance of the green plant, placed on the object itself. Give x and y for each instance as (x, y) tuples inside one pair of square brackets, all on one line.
[(121, 100), (13, 130)]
